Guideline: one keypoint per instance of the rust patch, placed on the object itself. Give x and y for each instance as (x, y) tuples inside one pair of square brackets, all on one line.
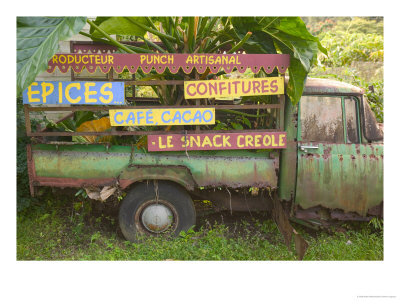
[(73, 182), (309, 213), (349, 182), (286, 229), (376, 210), (327, 152), (179, 174), (358, 148), (347, 216)]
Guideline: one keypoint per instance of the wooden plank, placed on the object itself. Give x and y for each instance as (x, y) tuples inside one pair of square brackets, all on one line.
[(154, 82), (27, 119), (129, 133), (282, 113), (105, 108), (217, 141)]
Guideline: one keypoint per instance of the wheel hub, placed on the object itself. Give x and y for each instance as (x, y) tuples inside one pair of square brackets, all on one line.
[(157, 218)]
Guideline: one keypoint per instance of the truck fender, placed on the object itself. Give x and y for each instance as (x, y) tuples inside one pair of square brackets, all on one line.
[(178, 174)]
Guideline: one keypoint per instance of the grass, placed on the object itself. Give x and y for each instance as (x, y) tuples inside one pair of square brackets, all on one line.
[(75, 230)]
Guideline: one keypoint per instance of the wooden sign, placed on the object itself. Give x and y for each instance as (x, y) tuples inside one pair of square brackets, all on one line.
[(162, 116), (75, 92), (173, 62), (234, 88), (217, 141)]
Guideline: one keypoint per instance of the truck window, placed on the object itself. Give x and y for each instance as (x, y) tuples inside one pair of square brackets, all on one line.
[(351, 120), (321, 119), (371, 128)]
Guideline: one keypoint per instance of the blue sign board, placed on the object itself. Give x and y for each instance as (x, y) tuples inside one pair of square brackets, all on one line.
[(75, 92)]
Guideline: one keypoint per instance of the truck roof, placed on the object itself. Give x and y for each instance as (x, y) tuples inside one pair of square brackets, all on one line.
[(323, 86)]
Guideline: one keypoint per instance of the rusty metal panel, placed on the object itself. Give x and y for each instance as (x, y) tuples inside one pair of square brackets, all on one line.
[(178, 174), (208, 168), (320, 86), (342, 176), (288, 156)]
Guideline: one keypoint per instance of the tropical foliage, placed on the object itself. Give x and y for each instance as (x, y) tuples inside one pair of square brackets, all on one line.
[(355, 54), (37, 42), (287, 35)]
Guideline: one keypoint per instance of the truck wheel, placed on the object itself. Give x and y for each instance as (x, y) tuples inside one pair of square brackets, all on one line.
[(156, 208)]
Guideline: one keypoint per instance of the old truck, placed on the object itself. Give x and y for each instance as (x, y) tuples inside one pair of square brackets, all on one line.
[(331, 167)]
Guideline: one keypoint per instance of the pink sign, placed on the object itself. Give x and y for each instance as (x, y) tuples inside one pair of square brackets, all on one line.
[(217, 141), (174, 62)]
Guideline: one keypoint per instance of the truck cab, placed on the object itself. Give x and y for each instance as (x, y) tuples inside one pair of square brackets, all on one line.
[(337, 147)]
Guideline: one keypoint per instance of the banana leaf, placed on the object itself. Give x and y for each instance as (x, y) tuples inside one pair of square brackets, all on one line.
[(99, 125), (118, 25), (37, 42), (290, 36)]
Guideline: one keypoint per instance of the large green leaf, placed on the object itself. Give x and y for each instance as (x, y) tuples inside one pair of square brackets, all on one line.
[(37, 42), (296, 27), (119, 25), (269, 35), (290, 36), (303, 55)]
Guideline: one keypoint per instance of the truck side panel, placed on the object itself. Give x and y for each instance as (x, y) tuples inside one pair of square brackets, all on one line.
[(88, 163), (347, 177), (288, 156)]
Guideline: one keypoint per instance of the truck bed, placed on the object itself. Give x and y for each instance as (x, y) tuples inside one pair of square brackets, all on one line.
[(100, 165)]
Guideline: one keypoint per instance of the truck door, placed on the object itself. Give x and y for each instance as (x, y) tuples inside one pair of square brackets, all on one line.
[(335, 170)]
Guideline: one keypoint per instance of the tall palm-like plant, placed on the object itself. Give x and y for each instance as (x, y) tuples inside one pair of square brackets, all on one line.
[(269, 35)]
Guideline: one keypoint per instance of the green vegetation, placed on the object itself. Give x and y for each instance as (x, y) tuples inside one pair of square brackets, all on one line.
[(69, 228), (24, 199), (37, 42), (271, 35), (355, 54), (72, 228)]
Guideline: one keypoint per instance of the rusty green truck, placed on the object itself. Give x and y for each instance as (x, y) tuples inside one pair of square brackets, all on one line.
[(332, 168)]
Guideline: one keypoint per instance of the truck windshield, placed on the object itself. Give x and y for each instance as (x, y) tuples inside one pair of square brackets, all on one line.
[(329, 119), (321, 119)]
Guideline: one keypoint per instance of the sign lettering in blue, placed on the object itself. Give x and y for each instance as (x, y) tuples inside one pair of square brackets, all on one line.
[(75, 92)]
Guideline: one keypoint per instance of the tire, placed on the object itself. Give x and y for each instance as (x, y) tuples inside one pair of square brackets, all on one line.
[(141, 213)]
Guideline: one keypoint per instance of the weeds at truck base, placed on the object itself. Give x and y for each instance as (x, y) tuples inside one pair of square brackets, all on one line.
[(49, 232)]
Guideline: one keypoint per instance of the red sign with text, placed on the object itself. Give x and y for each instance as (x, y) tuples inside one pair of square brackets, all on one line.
[(217, 141)]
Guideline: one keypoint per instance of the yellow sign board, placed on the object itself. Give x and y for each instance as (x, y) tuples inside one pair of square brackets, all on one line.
[(162, 116), (234, 88)]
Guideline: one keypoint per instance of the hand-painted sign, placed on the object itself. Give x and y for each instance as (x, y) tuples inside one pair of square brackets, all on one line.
[(234, 88), (217, 141), (76, 92), (162, 116), (214, 62)]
